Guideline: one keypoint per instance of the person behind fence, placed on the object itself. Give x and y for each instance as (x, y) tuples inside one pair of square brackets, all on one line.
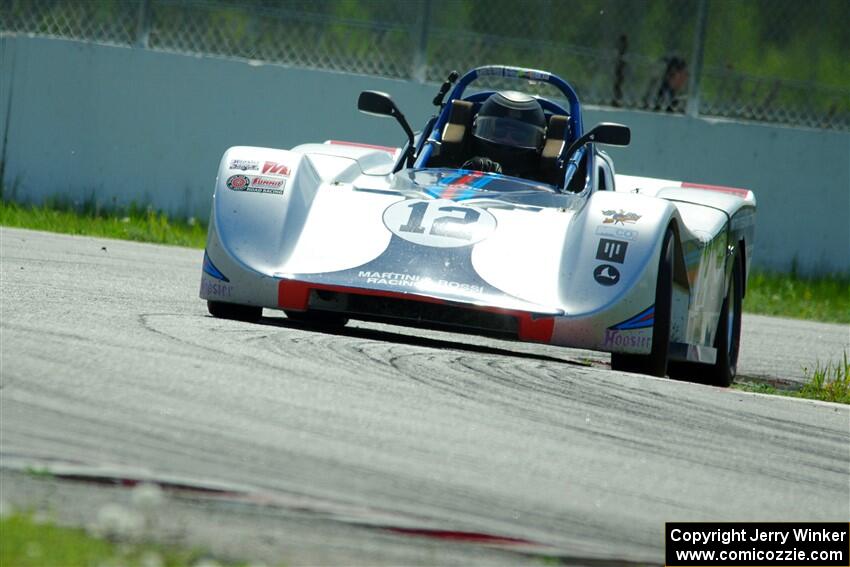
[(670, 94), (508, 135)]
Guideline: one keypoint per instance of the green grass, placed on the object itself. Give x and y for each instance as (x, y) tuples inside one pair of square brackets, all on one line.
[(133, 223), (828, 382), (25, 542), (820, 299)]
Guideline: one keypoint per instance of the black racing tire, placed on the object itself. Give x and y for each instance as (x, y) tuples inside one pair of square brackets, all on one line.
[(324, 319), (727, 339), (655, 363), (249, 313)]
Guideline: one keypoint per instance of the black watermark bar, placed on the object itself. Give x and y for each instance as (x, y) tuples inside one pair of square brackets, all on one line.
[(757, 544)]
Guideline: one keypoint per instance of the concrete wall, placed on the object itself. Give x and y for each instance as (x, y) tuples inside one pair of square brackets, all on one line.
[(125, 124)]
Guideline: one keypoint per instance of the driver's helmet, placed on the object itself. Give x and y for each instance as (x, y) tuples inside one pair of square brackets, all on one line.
[(510, 129)]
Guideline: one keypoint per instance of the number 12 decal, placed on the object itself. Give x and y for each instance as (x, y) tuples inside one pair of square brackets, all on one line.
[(451, 227), (439, 223)]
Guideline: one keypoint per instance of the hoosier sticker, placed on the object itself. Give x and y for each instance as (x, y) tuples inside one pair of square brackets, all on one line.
[(638, 340)]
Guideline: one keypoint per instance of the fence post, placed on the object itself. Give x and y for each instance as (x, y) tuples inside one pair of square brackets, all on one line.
[(692, 107), (143, 24), (420, 54)]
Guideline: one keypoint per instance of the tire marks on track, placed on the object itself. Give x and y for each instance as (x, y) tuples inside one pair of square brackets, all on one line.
[(465, 433)]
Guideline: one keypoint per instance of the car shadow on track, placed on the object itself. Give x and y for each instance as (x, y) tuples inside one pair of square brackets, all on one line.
[(411, 340)]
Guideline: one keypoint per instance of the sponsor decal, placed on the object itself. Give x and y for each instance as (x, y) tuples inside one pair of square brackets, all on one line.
[(238, 182), (627, 340), (256, 184), (274, 168), (267, 183), (244, 165), (620, 217), (606, 274), (642, 320), (611, 250), (617, 232), (211, 270), (438, 223), (633, 334), (417, 282), (215, 289)]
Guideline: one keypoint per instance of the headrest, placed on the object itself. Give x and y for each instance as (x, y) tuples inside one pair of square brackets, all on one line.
[(556, 134), (558, 126), (460, 116)]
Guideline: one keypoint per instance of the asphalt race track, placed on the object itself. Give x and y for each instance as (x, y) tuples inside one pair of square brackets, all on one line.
[(383, 444)]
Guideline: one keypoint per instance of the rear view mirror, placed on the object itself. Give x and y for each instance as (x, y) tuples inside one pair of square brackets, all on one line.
[(377, 103), (604, 133), (380, 104), (611, 134)]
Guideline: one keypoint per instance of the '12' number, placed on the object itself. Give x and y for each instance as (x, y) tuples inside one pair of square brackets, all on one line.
[(448, 226)]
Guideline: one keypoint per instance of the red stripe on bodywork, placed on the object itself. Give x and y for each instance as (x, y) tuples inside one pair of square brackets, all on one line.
[(295, 295), (466, 179), (458, 185), (733, 190), (449, 192), (387, 149)]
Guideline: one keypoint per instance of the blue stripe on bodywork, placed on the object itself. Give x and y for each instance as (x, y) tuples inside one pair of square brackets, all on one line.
[(481, 182), (449, 179), (211, 270), (642, 320)]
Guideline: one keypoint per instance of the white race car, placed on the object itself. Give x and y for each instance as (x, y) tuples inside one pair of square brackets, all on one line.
[(651, 270)]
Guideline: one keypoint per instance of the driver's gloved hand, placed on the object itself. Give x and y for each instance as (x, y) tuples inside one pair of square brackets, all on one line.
[(482, 164)]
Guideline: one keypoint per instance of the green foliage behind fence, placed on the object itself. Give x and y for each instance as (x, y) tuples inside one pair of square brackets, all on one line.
[(771, 60)]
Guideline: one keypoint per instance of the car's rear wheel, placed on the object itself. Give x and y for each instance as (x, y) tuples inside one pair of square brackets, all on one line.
[(318, 318), (655, 363), (223, 310), (728, 338)]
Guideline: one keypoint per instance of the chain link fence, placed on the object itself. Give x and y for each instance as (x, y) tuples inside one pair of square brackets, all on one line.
[(767, 60)]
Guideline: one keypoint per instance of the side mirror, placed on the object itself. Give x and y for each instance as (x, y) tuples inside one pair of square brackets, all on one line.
[(604, 133), (380, 104), (377, 103)]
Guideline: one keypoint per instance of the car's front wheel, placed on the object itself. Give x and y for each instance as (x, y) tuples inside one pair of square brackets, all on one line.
[(223, 310), (727, 340), (655, 363)]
